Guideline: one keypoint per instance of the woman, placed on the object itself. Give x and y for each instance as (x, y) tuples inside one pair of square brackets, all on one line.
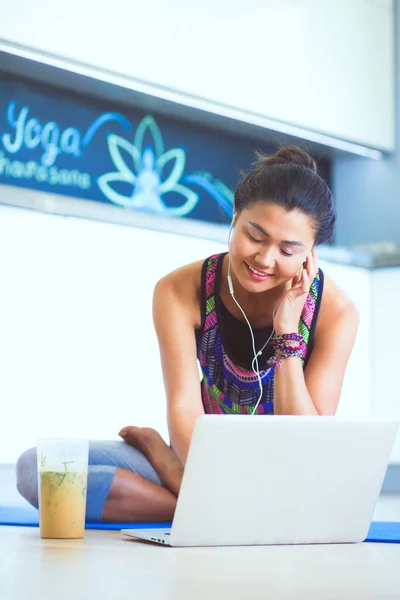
[(272, 334)]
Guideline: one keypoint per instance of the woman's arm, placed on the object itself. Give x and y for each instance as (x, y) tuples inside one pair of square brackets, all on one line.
[(176, 312), (316, 391)]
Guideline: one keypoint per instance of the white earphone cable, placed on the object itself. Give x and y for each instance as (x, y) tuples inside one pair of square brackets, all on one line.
[(254, 364)]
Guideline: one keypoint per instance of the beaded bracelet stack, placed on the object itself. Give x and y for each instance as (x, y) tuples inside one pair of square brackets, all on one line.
[(284, 348)]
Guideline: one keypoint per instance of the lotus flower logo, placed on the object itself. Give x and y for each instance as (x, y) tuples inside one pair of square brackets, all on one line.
[(143, 177)]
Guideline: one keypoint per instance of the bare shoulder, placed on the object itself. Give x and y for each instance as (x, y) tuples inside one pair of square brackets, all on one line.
[(336, 309), (182, 287)]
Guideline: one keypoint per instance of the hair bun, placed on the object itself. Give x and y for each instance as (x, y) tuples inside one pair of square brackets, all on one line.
[(287, 154)]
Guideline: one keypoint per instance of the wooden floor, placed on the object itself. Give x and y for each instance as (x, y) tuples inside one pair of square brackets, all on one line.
[(106, 565)]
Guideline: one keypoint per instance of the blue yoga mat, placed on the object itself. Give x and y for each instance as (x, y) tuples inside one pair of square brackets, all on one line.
[(380, 531), (29, 517)]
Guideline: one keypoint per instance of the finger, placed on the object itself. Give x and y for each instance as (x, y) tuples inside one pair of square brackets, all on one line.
[(296, 282), (312, 267), (310, 264), (305, 281), (315, 261), (299, 285)]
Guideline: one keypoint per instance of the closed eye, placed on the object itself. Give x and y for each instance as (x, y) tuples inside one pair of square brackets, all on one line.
[(255, 239)]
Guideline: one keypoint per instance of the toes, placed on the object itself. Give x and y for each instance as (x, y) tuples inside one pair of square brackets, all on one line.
[(124, 431)]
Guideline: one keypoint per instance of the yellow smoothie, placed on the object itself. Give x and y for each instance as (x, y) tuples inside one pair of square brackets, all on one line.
[(62, 504)]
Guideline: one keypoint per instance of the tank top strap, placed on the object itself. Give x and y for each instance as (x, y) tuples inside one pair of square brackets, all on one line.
[(210, 278), (309, 314)]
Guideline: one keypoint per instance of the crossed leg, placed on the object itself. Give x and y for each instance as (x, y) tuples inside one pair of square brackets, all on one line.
[(124, 484), (133, 498)]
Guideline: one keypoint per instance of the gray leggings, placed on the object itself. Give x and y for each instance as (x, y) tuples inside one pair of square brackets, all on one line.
[(104, 458)]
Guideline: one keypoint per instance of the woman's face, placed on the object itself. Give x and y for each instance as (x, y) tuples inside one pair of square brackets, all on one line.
[(271, 241)]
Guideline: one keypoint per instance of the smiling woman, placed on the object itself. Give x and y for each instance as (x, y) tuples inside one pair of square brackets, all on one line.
[(271, 333)]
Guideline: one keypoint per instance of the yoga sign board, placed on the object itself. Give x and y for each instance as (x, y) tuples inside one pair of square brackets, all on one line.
[(57, 142)]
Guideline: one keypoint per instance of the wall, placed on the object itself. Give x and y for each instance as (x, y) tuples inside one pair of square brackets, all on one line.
[(367, 192), (78, 353), (322, 66), (372, 372)]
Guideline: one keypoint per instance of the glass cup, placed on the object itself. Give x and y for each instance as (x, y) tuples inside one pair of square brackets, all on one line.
[(62, 481)]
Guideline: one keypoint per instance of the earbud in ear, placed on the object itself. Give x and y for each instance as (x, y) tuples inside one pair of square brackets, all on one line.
[(230, 230), (229, 278)]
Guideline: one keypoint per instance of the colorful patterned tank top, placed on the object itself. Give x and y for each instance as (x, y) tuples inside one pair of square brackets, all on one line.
[(226, 387)]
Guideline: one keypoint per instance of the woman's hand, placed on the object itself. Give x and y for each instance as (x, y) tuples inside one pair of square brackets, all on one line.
[(288, 312)]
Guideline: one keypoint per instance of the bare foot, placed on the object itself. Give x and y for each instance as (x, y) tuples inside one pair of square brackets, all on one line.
[(142, 438), (162, 457)]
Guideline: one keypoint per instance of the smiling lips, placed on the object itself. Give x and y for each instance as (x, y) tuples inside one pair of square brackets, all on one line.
[(257, 275)]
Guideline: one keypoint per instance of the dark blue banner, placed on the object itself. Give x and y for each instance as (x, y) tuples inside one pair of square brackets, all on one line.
[(69, 145)]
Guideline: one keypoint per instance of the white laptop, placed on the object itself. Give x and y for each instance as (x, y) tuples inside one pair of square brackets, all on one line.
[(278, 480)]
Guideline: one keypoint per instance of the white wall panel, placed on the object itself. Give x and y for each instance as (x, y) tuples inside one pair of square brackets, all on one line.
[(323, 66)]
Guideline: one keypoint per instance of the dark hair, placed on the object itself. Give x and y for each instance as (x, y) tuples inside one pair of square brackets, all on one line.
[(289, 178)]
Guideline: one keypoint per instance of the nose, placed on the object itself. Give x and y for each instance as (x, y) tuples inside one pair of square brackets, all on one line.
[(266, 257)]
